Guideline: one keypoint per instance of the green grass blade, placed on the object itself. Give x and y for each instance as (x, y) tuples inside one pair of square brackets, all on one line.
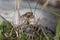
[(58, 30)]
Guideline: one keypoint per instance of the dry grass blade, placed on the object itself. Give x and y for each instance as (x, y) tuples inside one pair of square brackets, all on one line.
[(45, 4), (11, 33), (17, 5), (44, 33), (17, 9), (7, 21), (54, 13)]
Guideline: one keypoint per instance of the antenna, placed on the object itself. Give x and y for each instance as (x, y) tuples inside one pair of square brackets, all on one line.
[(29, 5), (36, 5)]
